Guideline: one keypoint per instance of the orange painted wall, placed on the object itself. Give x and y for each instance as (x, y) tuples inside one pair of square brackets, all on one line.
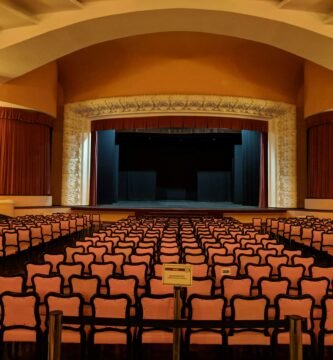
[(36, 89), (318, 89), (185, 63)]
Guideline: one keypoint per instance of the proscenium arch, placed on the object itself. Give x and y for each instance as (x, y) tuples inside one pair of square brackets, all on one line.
[(281, 117), (23, 49)]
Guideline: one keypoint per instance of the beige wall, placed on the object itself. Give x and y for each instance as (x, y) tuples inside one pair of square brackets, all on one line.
[(36, 89), (185, 63), (318, 89)]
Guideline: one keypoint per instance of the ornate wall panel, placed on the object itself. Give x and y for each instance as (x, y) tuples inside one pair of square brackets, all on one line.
[(282, 134)]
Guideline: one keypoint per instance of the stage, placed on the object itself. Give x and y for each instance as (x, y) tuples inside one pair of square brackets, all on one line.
[(177, 208)]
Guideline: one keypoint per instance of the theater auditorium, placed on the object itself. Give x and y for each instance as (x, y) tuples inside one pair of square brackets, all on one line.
[(166, 179)]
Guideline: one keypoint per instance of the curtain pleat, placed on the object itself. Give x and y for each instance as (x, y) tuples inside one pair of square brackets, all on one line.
[(320, 161), (24, 156)]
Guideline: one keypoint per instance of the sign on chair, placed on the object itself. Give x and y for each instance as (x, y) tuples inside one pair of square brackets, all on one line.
[(177, 274)]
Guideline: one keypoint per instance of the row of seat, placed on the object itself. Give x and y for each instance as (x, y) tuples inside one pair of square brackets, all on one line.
[(21, 321)]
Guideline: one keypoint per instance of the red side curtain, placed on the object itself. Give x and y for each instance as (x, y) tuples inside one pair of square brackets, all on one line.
[(93, 170), (263, 186), (320, 161), (24, 155)]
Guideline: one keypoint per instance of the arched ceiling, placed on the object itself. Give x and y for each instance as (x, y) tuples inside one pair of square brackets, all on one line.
[(33, 33)]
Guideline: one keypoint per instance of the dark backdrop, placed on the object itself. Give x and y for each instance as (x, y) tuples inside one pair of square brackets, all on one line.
[(203, 167)]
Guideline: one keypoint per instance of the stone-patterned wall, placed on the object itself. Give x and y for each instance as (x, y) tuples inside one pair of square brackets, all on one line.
[(282, 134), (75, 128)]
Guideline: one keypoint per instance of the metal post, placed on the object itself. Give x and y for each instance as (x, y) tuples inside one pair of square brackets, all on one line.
[(54, 341), (176, 331), (295, 330)]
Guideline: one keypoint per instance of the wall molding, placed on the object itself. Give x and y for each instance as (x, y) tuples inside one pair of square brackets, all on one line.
[(281, 135)]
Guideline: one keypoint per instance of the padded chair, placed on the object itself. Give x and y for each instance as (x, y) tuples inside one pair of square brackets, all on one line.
[(235, 285), (67, 270), (110, 306), (32, 269), (325, 337), (155, 307), (249, 308), (245, 260), (70, 305), (102, 270), (295, 305), (53, 259), (205, 308), (294, 273), (155, 286), (257, 272), (138, 270), (9, 283), (118, 285), (117, 259), (271, 288), (20, 321), (87, 287), (71, 250), (305, 261)]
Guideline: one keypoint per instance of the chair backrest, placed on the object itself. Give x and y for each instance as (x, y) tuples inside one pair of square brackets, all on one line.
[(126, 251), (223, 259), (86, 286), (103, 270), (263, 253), (200, 286), (257, 272), (231, 247), (156, 307), (326, 323), (123, 285), (275, 261), (235, 285), (305, 261), (291, 254), (195, 259), (244, 260), (322, 271), (117, 259), (156, 287), (67, 270), (293, 272), (111, 306), (249, 307), (32, 269), (295, 305), (70, 305), (144, 258), (44, 284), (206, 307), (105, 244), (200, 270), (54, 259), (271, 288), (317, 288), (85, 244), (19, 310), (85, 259), (71, 250), (167, 259), (11, 283), (138, 270)]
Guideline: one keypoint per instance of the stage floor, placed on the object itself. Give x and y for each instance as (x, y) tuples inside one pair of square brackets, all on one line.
[(175, 204)]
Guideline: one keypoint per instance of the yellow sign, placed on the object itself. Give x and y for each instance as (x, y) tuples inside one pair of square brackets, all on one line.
[(225, 271), (177, 274)]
